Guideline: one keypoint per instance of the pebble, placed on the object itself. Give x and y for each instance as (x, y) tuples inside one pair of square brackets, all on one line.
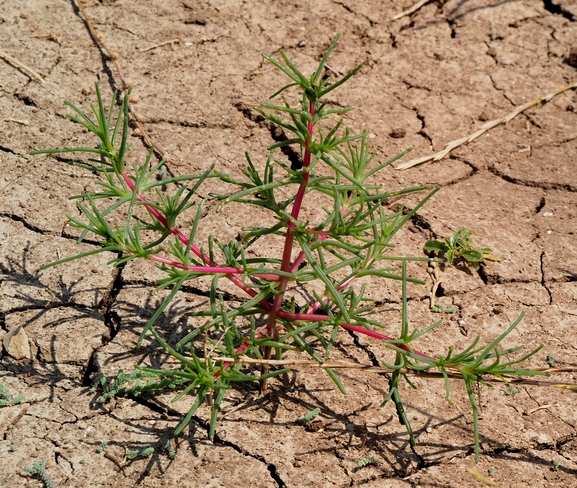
[(16, 344)]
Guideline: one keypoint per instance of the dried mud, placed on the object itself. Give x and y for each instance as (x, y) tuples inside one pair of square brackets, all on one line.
[(429, 78)]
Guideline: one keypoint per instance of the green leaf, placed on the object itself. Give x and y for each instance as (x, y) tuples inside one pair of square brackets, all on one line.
[(436, 246), (471, 255)]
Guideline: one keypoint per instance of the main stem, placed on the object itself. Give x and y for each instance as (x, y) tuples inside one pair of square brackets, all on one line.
[(272, 328)]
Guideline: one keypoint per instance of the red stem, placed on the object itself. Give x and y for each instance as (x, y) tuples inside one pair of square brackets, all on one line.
[(289, 238), (194, 248), (211, 269), (275, 310)]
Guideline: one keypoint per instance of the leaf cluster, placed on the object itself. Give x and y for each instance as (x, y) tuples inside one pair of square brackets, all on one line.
[(458, 247), (6, 398), (39, 469), (137, 384), (368, 461)]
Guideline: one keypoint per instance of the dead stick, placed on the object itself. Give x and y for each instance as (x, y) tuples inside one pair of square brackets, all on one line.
[(453, 373), (484, 128), (172, 41), (20, 65), (411, 10)]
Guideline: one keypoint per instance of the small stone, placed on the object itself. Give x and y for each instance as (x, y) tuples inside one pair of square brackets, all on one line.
[(16, 344), (303, 43), (86, 90)]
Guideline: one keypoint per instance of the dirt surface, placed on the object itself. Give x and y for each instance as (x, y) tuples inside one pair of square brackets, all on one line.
[(429, 78)]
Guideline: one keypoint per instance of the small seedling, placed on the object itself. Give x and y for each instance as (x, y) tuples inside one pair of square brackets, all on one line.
[(369, 461), (12, 448), (554, 465), (101, 447), (492, 470), (39, 469), (439, 308), (551, 360), (512, 390), (147, 451), (308, 417), (137, 383), (170, 451), (6, 399), (459, 249)]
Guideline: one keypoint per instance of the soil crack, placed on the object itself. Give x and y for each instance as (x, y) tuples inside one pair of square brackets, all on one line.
[(270, 466), (26, 224), (543, 282), (534, 184), (557, 9), (276, 133)]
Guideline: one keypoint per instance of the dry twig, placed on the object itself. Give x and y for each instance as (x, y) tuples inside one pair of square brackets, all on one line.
[(530, 411), (17, 121), (22, 66), (154, 46), (451, 372), (483, 479), (484, 128), (409, 11)]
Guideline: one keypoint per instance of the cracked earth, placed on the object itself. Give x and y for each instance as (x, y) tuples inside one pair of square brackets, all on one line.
[(196, 68)]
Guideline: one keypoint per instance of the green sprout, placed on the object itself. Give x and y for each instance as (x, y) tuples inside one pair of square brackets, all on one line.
[(169, 448), (39, 469), (6, 398), (512, 390), (459, 249), (101, 447), (309, 416), (439, 308), (145, 452), (369, 461)]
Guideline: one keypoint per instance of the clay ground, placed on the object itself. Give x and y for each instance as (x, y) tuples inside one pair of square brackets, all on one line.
[(428, 78)]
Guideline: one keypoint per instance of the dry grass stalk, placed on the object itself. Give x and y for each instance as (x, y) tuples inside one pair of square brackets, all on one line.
[(484, 128), (483, 479), (22, 66), (154, 46), (411, 10), (17, 121), (451, 372)]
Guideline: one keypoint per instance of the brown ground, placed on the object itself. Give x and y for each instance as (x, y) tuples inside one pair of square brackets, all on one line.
[(433, 77)]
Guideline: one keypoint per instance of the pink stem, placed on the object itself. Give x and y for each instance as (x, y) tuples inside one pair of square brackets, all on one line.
[(210, 269), (194, 248), (383, 337), (275, 310), (289, 239)]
